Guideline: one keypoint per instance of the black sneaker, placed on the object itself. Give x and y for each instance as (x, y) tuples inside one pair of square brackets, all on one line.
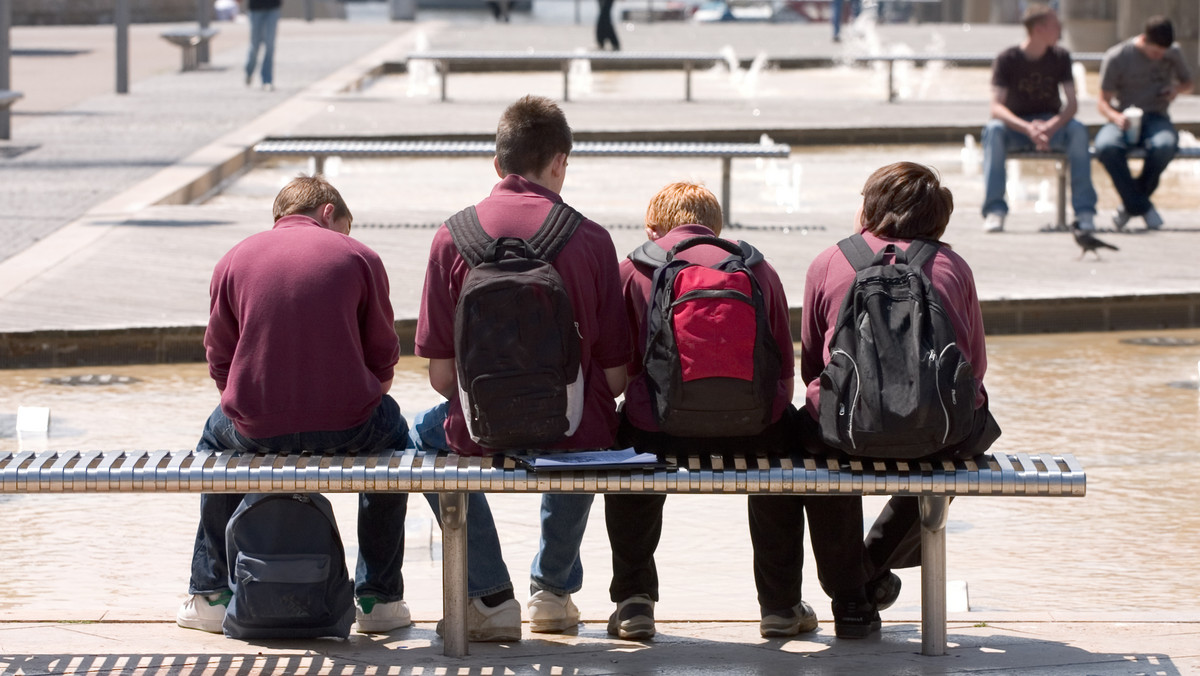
[(884, 590), (633, 619), (854, 619)]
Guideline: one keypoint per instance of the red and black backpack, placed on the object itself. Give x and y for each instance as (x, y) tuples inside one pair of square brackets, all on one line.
[(711, 363)]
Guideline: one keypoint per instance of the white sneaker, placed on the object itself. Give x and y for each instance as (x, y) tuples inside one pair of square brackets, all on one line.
[(1153, 220), (550, 613), (205, 612), (1086, 221), (993, 222), (1120, 218), (499, 624), (374, 617)]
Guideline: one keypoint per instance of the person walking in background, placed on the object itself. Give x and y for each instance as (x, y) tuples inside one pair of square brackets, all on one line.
[(264, 20), (839, 7), (1028, 114), (605, 32), (1139, 78)]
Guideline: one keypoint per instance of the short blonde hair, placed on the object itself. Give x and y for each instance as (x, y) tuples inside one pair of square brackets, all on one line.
[(683, 203), (308, 193)]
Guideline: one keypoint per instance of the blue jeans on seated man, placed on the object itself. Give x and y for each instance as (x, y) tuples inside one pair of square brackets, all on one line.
[(557, 567), (1071, 139), (1160, 141), (380, 515)]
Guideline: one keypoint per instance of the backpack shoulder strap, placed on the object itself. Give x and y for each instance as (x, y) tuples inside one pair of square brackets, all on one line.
[(649, 254), (920, 252), (857, 251), (555, 232), (751, 255), (469, 236)]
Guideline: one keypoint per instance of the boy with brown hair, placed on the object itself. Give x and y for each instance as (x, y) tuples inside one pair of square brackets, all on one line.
[(533, 141)]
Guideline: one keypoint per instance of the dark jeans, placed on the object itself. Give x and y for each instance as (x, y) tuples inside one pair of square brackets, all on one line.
[(1160, 141), (605, 32), (380, 515), (777, 533), (894, 540), (634, 523)]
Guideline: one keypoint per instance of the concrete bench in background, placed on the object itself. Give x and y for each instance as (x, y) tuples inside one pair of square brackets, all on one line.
[(319, 149), (189, 40)]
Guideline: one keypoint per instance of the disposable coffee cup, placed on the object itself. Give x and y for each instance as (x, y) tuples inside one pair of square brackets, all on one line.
[(1133, 133)]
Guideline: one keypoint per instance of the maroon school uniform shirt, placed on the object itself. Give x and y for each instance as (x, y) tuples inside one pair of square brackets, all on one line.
[(300, 331), (588, 266), (829, 278), (636, 287)]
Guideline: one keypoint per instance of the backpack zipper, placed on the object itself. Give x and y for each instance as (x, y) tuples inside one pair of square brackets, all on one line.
[(854, 400), (941, 401)]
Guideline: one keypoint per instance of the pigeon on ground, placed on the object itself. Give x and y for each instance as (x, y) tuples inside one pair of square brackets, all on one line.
[(1088, 242)]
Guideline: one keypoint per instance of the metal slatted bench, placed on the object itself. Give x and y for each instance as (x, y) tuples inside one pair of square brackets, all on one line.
[(319, 149), (189, 40), (1060, 170), (453, 476), (956, 59), (446, 60)]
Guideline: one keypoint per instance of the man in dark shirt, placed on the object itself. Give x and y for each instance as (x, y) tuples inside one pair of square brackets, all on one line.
[(1028, 114), (301, 343)]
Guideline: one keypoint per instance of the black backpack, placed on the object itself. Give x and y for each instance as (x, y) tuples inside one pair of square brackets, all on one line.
[(287, 569), (516, 341), (896, 385), (711, 363)]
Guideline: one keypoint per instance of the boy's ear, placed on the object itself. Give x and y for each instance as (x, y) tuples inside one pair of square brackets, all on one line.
[(326, 214), (496, 164), (652, 234)]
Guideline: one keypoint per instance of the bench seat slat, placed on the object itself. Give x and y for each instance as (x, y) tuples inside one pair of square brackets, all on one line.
[(408, 471)]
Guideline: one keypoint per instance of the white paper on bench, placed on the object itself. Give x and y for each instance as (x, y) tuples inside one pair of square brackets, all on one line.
[(623, 458)]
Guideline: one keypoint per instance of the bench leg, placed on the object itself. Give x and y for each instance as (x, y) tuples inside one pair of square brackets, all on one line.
[(566, 69), (933, 574), (445, 70), (891, 87), (189, 58), (726, 163), (687, 80), (452, 508), (1062, 195)]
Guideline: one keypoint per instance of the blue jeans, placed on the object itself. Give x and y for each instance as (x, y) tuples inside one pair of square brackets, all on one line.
[(1072, 139), (263, 24), (855, 8), (1159, 139), (380, 515), (486, 570), (556, 567)]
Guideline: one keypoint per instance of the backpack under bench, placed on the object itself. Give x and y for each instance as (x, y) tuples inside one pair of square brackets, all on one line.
[(451, 475)]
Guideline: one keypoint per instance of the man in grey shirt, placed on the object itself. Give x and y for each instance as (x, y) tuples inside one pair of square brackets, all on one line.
[(1146, 73)]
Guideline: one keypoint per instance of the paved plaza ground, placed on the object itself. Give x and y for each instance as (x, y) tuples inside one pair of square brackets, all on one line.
[(111, 221)]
